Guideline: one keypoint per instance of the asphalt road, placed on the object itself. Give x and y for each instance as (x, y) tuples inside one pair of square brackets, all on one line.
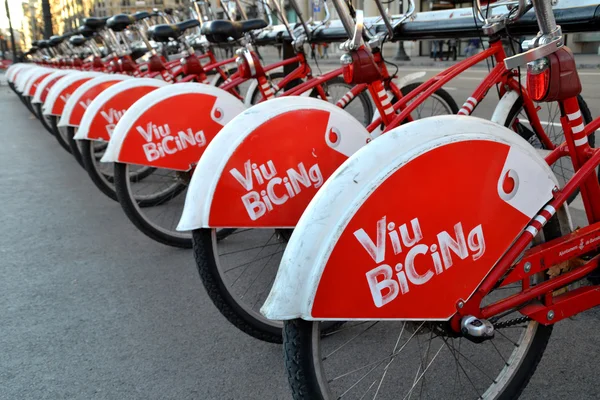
[(92, 309)]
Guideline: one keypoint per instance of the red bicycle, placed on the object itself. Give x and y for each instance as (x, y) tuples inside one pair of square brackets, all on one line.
[(454, 286)]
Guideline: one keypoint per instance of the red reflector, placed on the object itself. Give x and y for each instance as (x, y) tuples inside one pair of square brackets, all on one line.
[(348, 73), (538, 84)]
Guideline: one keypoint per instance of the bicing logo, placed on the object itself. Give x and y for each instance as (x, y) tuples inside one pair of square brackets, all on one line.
[(267, 190), (414, 262)]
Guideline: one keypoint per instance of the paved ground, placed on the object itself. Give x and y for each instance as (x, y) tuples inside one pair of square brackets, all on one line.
[(92, 309)]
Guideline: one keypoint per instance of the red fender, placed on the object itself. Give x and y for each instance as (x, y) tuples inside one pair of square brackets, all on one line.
[(63, 89), (103, 113), (170, 127), (411, 224), (84, 95), (47, 83), (266, 165)]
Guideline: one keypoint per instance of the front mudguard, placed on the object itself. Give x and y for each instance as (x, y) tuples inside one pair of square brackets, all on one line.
[(171, 126), (265, 166), (411, 224)]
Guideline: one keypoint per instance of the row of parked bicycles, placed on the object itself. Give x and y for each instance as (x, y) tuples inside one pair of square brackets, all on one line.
[(396, 245)]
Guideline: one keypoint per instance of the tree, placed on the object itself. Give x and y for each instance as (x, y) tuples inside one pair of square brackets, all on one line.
[(47, 19)]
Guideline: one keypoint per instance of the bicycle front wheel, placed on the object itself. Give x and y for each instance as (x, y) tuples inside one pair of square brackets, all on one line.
[(549, 115)]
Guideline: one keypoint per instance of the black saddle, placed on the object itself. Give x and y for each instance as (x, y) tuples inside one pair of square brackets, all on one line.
[(95, 23), (78, 40), (86, 31), (219, 31), (120, 22), (140, 15), (43, 44), (55, 40), (165, 32)]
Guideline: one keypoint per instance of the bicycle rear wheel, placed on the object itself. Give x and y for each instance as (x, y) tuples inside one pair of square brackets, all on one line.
[(73, 145), (239, 270), (154, 204), (424, 359), (44, 119), (102, 174), (59, 134)]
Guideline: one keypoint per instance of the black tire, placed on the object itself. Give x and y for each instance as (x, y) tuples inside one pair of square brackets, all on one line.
[(230, 307), (73, 145), (59, 137), (43, 119), (30, 106), (133, 208), (441, 94), (563, 167), (88, 158), (220, 80), (362, 101), (219, 294)]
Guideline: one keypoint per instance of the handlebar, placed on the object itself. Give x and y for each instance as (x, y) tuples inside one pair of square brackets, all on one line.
[(521, 9)]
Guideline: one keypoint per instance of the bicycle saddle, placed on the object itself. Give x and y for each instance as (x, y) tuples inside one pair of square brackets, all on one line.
[(218, 31), (55, 40), (78, 40), (164, 32), (120, 22), (140, 15), (86, 31), (95, 23), (43, 44)]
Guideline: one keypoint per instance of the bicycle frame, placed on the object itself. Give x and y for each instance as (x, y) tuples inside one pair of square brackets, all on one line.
[(551, 309), (499, 75)]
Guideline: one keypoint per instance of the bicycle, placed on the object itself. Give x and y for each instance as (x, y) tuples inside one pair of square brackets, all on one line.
[(159, 222), (237, 273), (484, 276)]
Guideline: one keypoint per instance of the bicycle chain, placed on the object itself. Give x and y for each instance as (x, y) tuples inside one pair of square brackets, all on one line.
[(511, 322)]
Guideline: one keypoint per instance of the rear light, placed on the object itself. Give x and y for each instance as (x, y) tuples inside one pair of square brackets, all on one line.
[(347, 67), (538, 79)]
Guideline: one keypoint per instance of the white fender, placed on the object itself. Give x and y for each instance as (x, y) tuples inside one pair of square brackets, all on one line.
[(214, 79), (79, 95), (14, 69), (172, 109), (504, 106), (50, 79), (35, 79), (24, 76), (252, 88), (249, 92), (58, 95), (232, 144), (94, 111), (339, 202), (405, 79)]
